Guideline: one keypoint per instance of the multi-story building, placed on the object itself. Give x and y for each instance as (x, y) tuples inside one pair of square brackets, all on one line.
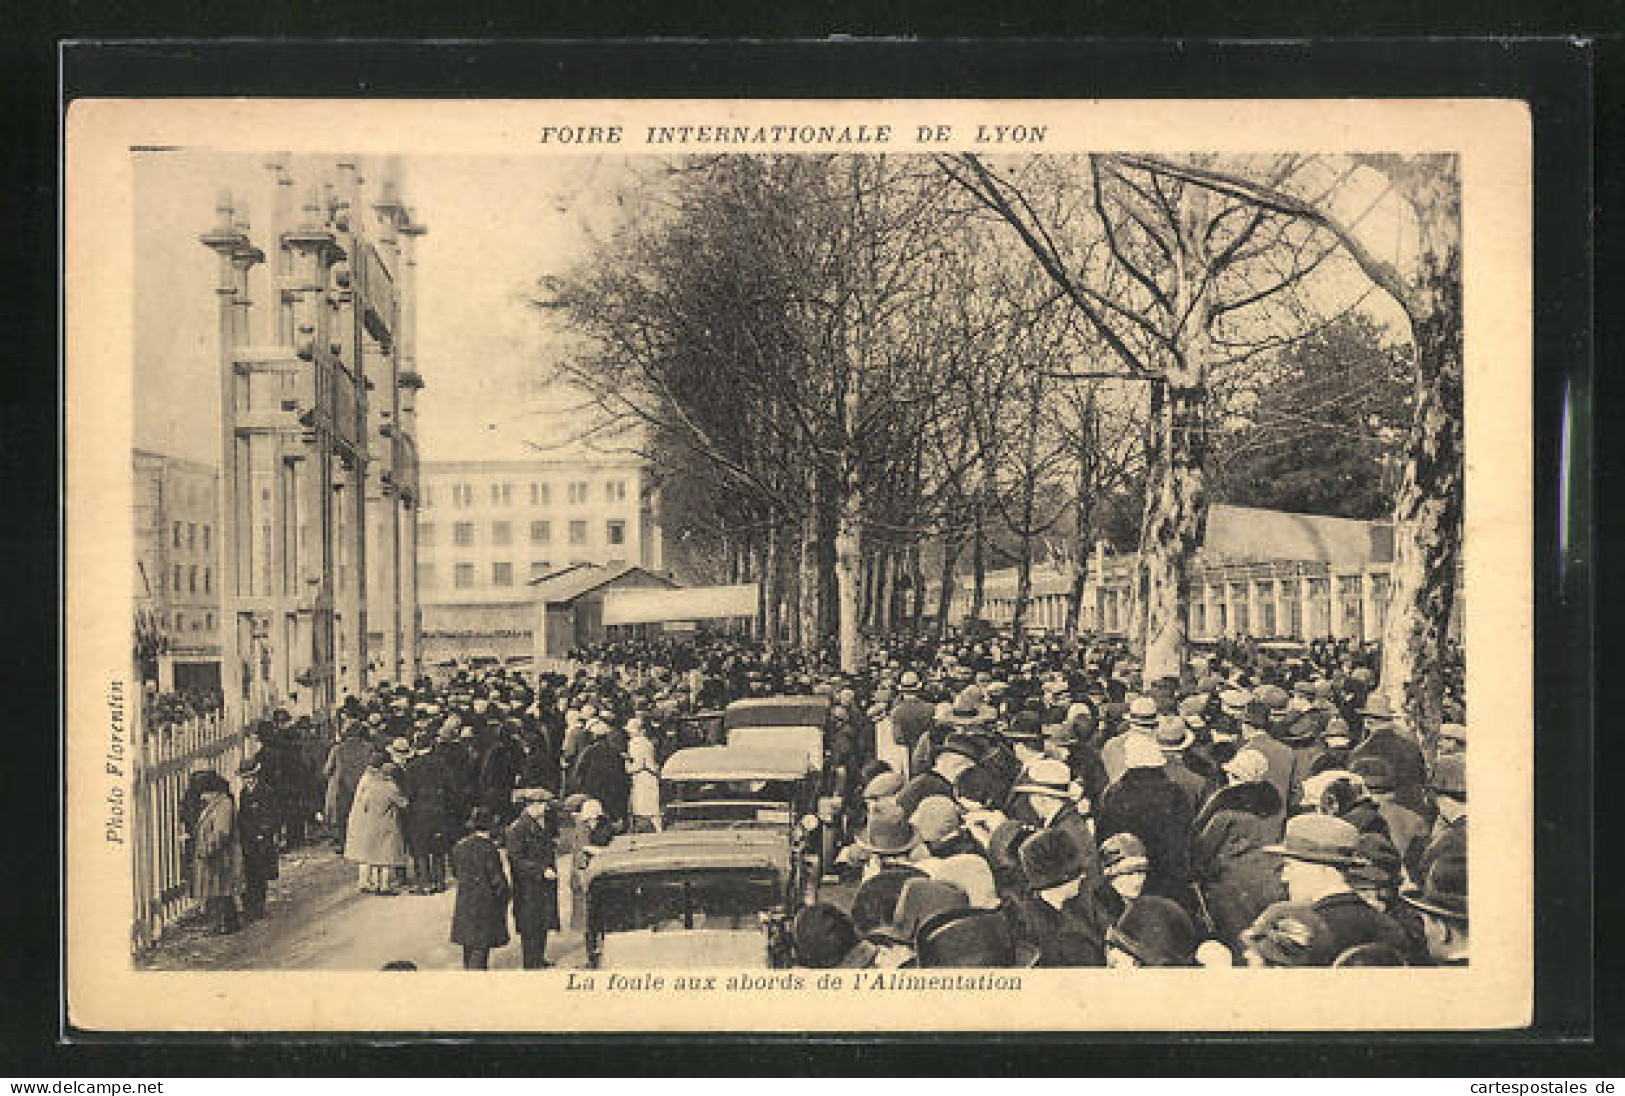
[(177, 571), (488, 529)]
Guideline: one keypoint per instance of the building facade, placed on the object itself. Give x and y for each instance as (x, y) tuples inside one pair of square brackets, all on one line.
[(177, 571), (488, 529), (1263, 574)]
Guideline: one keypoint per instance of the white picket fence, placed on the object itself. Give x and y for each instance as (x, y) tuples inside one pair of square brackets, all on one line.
[(164, 758)]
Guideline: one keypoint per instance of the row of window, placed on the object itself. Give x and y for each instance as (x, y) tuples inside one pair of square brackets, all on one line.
[(190, 538), (541, 532), (184, 579), (465, 576), (541, 494), (182, 624)]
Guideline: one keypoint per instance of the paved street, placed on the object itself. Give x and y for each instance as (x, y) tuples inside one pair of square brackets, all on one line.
[(318, 921)]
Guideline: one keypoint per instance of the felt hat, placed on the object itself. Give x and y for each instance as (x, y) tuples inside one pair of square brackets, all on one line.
[(1274, 697), (1004, 846), (937, 818), (1336, 734), (1377, 708), (1443, 892), (970, 707), (970, 872), (1142, 752), (1173, 733), (920, 900), (1047, 777), (875, 903), (1319, 839), (1376, 771), (1234, 701), (888, 833), (1248, 766), (1450, 776), (1256, 714), (1371, 955), (1027, 726), (1123, 854), (1193, 710), (822, 935), (965, 745), (1156, 932), (1382, 863), (970, 938), (980, 784), (883, 785), (1291, 934), (909, 680), (1142, 713), (1050, 858)]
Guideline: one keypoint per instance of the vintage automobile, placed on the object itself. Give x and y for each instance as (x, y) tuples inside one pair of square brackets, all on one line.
[(691, 898), (763, 786), (772, 720)]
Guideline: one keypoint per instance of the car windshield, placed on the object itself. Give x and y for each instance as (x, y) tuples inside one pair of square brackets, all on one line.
[(672, 901)]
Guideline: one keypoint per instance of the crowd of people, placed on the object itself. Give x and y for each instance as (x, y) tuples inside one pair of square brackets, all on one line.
[(1005, 803)]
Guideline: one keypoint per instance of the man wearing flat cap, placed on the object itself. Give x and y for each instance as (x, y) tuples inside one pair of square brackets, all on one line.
[(1057, 916), (1316, 854)]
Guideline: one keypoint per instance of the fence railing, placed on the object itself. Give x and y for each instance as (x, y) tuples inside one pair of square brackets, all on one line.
[(165, 756)]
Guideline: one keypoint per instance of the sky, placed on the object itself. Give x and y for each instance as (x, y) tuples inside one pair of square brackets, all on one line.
[(496, 224)]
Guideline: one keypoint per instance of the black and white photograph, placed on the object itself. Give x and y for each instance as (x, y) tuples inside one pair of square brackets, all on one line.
[(894, 557)]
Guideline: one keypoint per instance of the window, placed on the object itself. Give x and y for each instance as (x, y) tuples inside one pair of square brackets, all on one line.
[(463, 577), (1266, 608), (208, 581), (578, 532), (541, 532), (191, 535), (180, 621), (462, 495), (501, 494), (502, 532), (191, 579), (463, 534), (578, 492), (501, 574), (208, 622), (175, 540), (425, 534), (540, 495), (428, 496), (540, 567), (425, 576), (177, 583), (205, 538), (615, 491), (615, 532)]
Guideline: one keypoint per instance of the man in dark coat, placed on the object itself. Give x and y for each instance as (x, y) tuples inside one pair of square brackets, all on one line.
[(958, 753), (345, 763), (430, 802), (600, 773), (1317, 852), (912, 718), (479, 921), (1405, 756), (532, 847), (1236, 877), (1058, 916), (1255, 736), (1146, 803), (257, 831), (499, 774)]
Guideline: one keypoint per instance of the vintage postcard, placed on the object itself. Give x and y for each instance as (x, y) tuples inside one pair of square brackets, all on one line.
[(798, 566)]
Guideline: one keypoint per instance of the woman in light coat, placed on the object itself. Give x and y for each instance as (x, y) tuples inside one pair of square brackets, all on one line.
[(376, 840), (217, 861), (644, 770)]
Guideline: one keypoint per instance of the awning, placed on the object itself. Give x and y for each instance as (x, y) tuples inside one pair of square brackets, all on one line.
[(651, 606)]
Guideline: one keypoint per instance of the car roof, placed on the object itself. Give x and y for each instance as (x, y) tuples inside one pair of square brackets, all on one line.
[(763, 711), (682, 850), (800, 700), (769, 761)]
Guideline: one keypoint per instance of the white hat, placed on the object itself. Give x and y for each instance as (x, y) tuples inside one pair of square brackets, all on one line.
[(591, 811), (1248, 766), (1142, 752), (1315, 786)]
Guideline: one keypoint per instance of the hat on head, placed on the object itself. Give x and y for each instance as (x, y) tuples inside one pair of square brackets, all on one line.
[(1173, 733), (1444, 892), (963, 744), (1027, 726), (1377, 708), (937, 818), (969, 938), (1248, 766), (822, 936), (1234, 701), (970, 872), (1274, 697), (590, 810), (1047, 777), (1370, 955), (1450, 776), (1291, 934), (1004, 847), (1382, 863), (980, 784), (1156, 932), (1256, 714), (1142, 713), (883, 785), (888, 833), (1319, 839), (1336, 733), (1050, 858), (875, 903), (920, 900), (1453, 732), (1377, 772), (1123, 854), (1141, 752), (909, 680), (1193, 710)]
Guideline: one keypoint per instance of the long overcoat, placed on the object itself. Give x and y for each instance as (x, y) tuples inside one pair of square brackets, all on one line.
[(480, 917), (377, 835), (1237, 877), (256, 827), (346, 761), (533, 859), (429, 817), (217, 861)]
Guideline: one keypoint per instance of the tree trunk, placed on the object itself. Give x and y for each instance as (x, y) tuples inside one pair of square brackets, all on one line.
[(811, 583), (770, 584), (945, 593), (1428, 511), (1175, 519), (848, 560), (978, 559), (916, 578)]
